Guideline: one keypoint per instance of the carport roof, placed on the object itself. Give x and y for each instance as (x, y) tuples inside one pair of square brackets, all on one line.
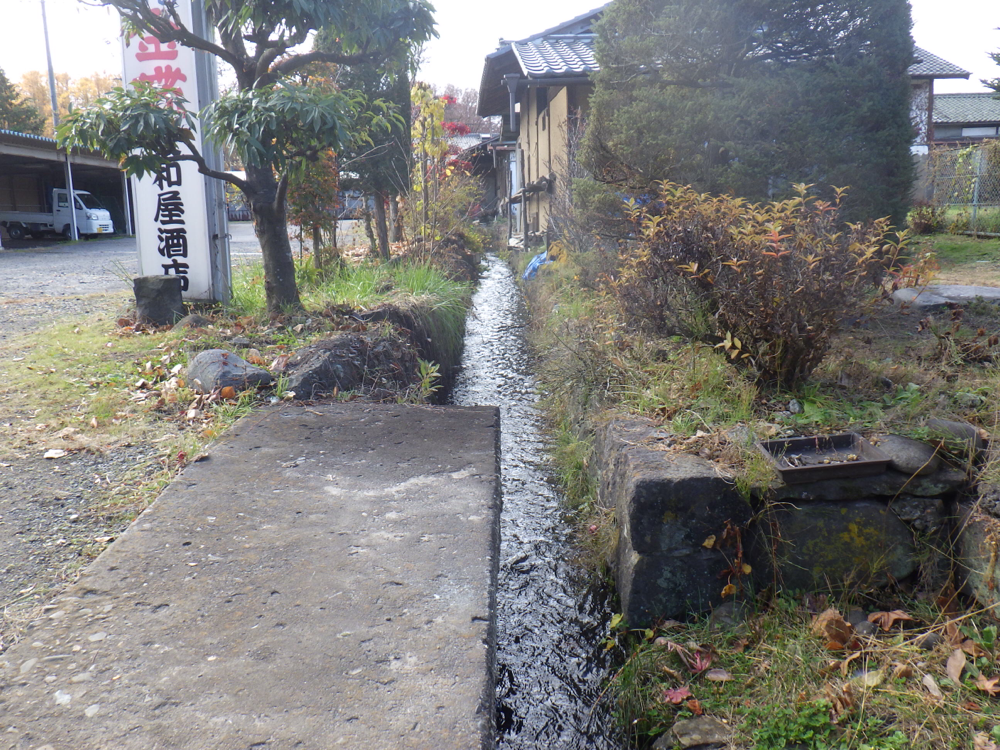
[(24, 150)]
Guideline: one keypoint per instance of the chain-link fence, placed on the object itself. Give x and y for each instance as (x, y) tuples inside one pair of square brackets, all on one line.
[(963, 185)]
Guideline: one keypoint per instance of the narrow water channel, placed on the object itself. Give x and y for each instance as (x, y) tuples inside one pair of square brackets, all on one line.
[(550, 619)]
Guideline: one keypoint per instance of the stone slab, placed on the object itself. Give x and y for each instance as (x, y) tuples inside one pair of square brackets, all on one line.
[(668, 505), (326, 578), (832, 544), (937, 297)]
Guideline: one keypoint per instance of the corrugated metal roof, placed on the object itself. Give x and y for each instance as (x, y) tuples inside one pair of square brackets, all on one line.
[(27, 136), (966, 109), (557, 55), (928, 65)]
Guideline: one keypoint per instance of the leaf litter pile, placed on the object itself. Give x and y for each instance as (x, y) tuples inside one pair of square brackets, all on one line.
[(817, 674)]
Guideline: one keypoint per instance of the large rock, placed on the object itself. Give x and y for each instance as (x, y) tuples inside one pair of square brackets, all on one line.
[(701, 732), (214, 369), (909, 456), (978, 549), (158, 300), (669, 507), (960, 436), (823, 543), (925, 515)]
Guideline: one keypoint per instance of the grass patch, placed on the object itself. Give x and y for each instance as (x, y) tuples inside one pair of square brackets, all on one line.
[(115, 386), (777, 684), (962, 259)]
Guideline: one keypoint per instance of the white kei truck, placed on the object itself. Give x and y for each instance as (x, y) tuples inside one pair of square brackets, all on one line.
[(92, 219)]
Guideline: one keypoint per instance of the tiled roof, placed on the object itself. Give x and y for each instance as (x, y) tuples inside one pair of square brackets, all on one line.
[(464, 142), (966, 108), (582, 24), (557, 55), (928, 65)]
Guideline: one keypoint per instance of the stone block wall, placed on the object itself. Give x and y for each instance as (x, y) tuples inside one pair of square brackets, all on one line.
[(668, 508), (674, 555)]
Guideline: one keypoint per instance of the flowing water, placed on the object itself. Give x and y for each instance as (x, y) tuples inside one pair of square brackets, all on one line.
[(551, 667)]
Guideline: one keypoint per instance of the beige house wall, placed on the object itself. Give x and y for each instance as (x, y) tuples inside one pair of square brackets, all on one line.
[(545, 148)]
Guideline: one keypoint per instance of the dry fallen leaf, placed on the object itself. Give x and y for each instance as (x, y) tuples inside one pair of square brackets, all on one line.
[(718, 675), (833, 629), (952, 633), (709, 542), (902, 672), (990, 686), (886, 620), (842, 700), (695, 707), (956, 663), (846, 662), (728, 590), (228, 392), (982, 741), (873, 678), (676, 695), (932, 686), (973, 649)]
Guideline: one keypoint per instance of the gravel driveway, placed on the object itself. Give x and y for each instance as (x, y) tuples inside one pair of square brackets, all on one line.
[(45, 280), (50, 522)]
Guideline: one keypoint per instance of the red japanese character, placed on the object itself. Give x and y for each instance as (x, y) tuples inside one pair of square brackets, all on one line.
[(150, 48), (165, 76)]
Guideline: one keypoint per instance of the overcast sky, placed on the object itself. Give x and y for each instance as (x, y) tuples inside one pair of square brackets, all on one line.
[(84, 39)]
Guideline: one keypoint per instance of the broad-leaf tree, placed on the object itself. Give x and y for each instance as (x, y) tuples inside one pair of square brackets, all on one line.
[(16, 113), (271, 122), (378, 165), (753, 96)]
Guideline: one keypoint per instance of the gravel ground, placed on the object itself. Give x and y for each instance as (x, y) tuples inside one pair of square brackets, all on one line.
[(51, 522), (53, 517)]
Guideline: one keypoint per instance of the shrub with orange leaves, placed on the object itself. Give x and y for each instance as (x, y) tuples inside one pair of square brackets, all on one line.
[(767, 283)]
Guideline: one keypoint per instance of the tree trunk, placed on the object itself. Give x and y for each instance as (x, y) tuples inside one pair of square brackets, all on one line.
[(395, 220), (318, 248), (366, 219), (381, 226), (267, 204)]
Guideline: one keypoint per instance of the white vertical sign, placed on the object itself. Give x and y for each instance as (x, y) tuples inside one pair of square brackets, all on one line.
[(170, 218)]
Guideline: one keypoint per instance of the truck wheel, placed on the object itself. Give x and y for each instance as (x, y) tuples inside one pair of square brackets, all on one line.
[(16, 232), (67, 232)]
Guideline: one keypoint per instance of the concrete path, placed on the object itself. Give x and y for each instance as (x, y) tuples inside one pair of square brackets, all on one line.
[(325, 578)]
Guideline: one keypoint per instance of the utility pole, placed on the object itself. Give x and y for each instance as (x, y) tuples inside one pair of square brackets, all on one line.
[(55, 126)]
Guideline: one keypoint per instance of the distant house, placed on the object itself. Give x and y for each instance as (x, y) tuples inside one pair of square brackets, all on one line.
[(966, 117), (926, 69), (540, 86)]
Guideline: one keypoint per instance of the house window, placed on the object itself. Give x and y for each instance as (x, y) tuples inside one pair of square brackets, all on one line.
[(542, 99)]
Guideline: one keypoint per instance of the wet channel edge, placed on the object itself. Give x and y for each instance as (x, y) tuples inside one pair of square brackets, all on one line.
[(325, 578)]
